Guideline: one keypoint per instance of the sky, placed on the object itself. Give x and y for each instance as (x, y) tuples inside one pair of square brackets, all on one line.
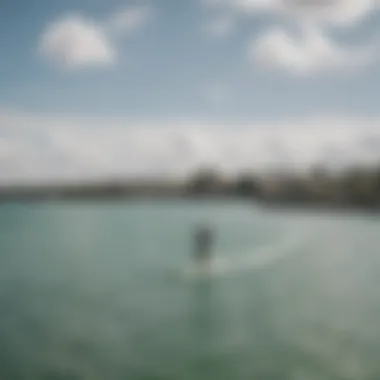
[(96, 88)]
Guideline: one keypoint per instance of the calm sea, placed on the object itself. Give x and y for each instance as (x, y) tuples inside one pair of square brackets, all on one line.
[(106, 290)]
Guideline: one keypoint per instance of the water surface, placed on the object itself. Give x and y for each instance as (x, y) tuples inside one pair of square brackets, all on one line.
[(101, 290)]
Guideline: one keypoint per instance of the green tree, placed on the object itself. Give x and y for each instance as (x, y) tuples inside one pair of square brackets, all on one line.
[(247, 186), (205, 181)]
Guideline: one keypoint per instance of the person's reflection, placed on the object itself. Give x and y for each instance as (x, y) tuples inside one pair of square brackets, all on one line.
[(203, 310), (204, 323), (233, 332)]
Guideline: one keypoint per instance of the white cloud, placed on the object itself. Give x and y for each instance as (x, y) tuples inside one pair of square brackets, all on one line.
[(312, 52), (6, 150), (35, 148), (76, 42), (333, 12), (130, 19)]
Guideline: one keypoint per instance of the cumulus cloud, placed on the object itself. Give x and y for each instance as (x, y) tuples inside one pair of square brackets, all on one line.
[(75, 41), (36, 148), (6, 150), (313, 51), (333, 12)]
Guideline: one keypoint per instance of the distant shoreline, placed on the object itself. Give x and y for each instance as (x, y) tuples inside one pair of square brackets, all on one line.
[(95, 193), (355, 189)]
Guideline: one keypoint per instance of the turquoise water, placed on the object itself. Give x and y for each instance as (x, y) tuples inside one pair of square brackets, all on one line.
[(104, 291)]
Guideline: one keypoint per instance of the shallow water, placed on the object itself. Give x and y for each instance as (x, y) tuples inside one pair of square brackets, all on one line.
[(106, 291)]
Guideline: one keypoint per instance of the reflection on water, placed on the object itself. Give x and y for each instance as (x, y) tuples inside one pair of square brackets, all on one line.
[(85, 294)]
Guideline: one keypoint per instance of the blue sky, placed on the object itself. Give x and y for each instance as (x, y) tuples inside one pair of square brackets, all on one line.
[(138, 65)]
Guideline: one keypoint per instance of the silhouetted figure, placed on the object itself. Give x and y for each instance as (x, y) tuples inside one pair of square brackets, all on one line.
[(203, 245)]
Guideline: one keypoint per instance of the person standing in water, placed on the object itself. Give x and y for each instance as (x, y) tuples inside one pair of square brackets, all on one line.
[(203, 245)]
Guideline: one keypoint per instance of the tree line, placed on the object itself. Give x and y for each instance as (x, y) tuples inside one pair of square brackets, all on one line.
[(355, 186)]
